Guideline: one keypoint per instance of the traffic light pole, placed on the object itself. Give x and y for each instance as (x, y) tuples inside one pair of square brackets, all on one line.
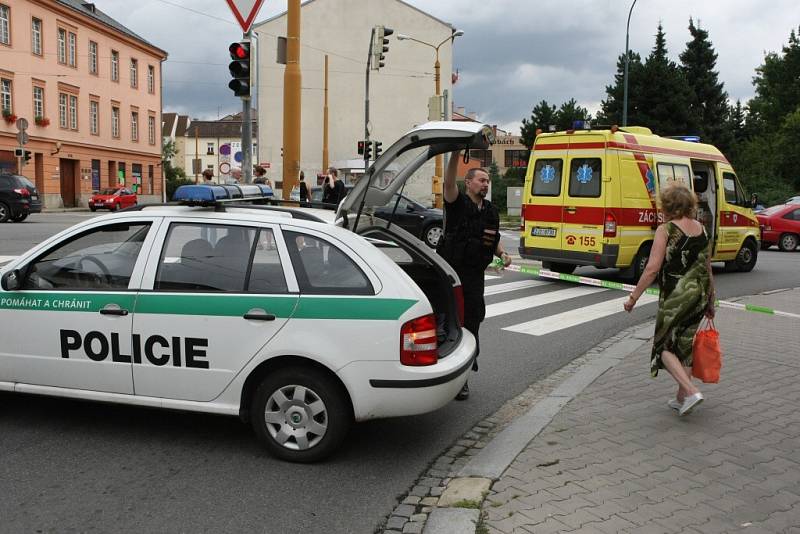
[(247, 128)]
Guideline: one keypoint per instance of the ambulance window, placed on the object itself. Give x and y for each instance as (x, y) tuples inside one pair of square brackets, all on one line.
[(99, 259), (205, 257), (585, 177), (670, 172), (266, 273), (733, 191), (547, 177), (323, 269)]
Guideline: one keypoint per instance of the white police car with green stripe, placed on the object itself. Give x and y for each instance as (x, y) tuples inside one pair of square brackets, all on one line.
[(272, 314)]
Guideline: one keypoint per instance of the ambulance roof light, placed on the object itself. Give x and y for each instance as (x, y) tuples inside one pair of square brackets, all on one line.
[(581, 125), (551, 128), (687, 138)]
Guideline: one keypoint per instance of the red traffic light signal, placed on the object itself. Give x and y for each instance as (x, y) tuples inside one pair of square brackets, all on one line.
[(361, 148), (240, 68), (240, 50)]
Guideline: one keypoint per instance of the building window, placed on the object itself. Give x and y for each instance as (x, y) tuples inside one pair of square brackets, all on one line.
[(134, 73), (62, 46), (62, 110), (151, 130), (73, 112), (114, 66), (36, 36), (92, 57), (73, 50), (115, 121), (5, 95), (483, 157), (5, 30), (38, 102), (94, 117), (134, 126), (151, 79), (516, 158), (210, 149)]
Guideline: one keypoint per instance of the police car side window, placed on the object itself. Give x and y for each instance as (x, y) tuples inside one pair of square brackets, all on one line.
[(205, 257), (547, 177), (585, 177), (266, 273), (98, 259), (322, 268)]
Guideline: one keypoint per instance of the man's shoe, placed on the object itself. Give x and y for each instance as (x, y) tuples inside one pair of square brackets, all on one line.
[(464, 393), (690, 403), (675, 404)]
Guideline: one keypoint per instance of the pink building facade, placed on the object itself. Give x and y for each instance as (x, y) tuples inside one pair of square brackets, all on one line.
[(90, 90)]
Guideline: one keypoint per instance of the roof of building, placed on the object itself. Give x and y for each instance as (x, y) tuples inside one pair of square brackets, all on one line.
[(168, 124), (279, 15), (183, 125), (228, 128), (90, 10)]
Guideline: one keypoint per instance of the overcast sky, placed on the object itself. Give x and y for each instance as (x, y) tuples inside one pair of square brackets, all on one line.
[(514, 52)]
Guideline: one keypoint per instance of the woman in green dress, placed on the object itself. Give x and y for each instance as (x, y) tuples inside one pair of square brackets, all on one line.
[(681, 260)]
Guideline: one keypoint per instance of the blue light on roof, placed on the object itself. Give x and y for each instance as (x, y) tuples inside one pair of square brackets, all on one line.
[(688, 138), (199, 193)]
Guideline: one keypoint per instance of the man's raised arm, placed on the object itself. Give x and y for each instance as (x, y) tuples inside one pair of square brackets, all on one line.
[(449, 187)]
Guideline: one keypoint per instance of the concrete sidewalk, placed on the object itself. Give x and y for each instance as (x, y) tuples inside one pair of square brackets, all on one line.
[(617, 459)]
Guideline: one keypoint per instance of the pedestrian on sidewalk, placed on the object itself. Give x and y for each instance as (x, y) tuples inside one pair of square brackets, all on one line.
[(303, 187), (470, 241), (261, 177), (208, 177), (681, 259), (332, 188)]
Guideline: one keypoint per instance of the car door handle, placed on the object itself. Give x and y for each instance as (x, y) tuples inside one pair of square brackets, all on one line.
[(114, 311), (571, 209), (259, 315)]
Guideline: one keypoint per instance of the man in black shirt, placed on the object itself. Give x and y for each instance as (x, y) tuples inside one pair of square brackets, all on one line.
[(471, 239), (332, 188)]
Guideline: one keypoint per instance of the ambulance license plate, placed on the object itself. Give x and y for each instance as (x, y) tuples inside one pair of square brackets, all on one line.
[(538, 231)]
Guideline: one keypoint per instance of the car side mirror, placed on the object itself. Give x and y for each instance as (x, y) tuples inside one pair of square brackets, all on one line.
[(410, 209), (12, 280)]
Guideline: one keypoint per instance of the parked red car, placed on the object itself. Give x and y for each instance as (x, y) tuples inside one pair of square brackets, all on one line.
[(113, 199), (780, 225)]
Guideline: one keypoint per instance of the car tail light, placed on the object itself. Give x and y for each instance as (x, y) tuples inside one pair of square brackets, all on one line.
[(418, 344), (522, 220), (458, 293), (22, 192), (610, 226)]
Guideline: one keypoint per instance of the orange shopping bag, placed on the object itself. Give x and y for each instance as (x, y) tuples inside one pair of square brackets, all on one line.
[(707, 353)]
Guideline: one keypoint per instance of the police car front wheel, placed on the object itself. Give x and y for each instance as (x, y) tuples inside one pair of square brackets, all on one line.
[(300, 414)]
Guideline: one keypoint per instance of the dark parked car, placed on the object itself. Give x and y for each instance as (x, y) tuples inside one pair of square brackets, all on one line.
[(18, 198), (411, 216)]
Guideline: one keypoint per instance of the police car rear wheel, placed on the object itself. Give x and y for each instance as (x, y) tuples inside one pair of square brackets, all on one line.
[(300, 414)]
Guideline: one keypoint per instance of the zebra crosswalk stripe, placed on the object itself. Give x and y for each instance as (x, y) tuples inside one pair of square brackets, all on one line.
[(560, 321), (534, 301), (514, 286)]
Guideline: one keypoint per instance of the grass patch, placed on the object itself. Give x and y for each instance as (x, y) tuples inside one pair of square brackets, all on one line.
[(467, 503)]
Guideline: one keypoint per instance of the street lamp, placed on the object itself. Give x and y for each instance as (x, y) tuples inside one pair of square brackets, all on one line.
[(437, 77), (625, 78)]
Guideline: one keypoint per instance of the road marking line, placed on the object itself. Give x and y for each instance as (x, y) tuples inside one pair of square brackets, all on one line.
[(560, 321), (489, 277), (534, 301), (513, 286)]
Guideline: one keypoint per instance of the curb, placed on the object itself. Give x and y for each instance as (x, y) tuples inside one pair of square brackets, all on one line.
[(448, 497)]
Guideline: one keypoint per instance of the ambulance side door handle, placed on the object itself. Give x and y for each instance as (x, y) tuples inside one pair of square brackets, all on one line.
[(257, 314), (571, 209)]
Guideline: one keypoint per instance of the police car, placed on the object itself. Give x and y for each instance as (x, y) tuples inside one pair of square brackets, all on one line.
[(272, 314)]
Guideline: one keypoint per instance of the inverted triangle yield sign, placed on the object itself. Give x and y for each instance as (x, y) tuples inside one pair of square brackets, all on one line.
[(245, 11)]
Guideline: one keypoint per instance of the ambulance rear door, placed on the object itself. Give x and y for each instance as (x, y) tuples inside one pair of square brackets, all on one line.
[(584, 205), (543, 209)]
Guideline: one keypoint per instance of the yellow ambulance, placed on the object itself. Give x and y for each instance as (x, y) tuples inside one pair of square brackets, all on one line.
[(590, 199)]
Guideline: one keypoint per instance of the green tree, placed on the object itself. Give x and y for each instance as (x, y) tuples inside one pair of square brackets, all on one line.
[(611, 108), (777, 87), (542, 116), (569, 112), (498, 187), (663, 97), (708, 105)]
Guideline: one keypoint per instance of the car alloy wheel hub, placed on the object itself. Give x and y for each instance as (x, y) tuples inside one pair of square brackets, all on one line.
[(296, 417)]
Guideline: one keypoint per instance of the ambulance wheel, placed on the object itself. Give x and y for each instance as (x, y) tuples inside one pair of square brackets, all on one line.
[(300, 414), (563, 268), (640, 262), (747, 256), (788, 242)]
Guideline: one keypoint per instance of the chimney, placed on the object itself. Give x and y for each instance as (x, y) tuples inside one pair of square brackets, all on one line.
[(89, 7)]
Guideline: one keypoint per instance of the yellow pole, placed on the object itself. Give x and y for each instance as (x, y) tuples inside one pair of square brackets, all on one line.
[(437, 179), (292, 80), (325, 122)]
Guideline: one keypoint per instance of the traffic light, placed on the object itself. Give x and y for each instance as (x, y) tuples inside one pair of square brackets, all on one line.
[(367, 150), (361, 148), (378, 148), (27, 156), (240, 68), (380, 46)]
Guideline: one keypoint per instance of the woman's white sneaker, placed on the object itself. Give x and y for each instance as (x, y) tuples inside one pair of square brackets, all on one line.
[(690, 403), (675, 404)]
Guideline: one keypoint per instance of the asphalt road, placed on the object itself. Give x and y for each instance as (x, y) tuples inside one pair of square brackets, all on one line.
[(74, 466)]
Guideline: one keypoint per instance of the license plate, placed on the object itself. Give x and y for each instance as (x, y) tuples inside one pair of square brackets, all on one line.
[(98, 202), (34, 197), (537, 231)]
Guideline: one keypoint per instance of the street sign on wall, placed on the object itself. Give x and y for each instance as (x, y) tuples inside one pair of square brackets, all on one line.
[(245, 11)]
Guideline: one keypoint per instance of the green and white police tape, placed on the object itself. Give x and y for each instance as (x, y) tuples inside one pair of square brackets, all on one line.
[(585, 280)]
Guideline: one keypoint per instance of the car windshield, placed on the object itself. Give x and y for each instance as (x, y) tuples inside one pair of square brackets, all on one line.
[(772, 210), (109, 191)]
